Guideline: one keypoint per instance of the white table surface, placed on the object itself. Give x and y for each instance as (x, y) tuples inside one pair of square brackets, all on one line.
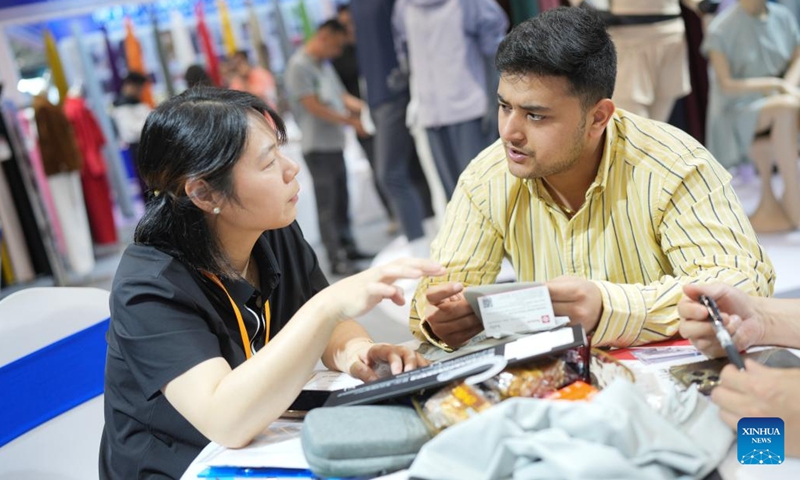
[(282, 443)]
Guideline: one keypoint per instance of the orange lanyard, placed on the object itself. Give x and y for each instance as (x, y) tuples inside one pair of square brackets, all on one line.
[(242, 330)]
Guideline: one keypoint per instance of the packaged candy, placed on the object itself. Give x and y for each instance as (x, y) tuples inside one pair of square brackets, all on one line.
[(578, 390), (460, 400)]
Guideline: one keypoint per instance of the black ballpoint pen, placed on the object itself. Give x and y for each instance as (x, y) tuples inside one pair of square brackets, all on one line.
[(722, 335)]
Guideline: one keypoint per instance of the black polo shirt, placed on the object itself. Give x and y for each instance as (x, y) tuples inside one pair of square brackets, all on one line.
[(167, 318)]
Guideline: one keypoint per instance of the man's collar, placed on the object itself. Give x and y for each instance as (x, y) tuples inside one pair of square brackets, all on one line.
[(609, 146), (314, 58)]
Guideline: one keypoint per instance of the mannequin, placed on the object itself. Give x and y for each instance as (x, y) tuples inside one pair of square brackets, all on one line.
[(62, 163), (755, 96), (90, 141), (769, 216), (652, 56)]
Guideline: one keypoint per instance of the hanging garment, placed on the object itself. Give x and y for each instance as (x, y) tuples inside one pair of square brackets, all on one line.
[(62, 163), (96, 191), (228, 35), (181, 41), (25, 195), (5, 264), (56, 68), (113, 59), (56, 139), (19, 262), (162, 55), (96, 98), (66, 190), (256, 38), (133, 54), (207, 44), (28, 142)]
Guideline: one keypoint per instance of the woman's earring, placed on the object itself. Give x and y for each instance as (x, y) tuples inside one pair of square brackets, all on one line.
[(216, 210)]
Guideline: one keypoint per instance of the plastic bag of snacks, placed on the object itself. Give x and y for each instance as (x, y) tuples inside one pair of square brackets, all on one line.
[(461, 400)]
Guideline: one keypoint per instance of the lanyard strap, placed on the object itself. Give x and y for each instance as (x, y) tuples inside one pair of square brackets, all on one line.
[(242, 329)]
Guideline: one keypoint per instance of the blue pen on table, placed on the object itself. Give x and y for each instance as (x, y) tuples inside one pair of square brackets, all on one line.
[(255, 472), (722, 335), (226, 472)]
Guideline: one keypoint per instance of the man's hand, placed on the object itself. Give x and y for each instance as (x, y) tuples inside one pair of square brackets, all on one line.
[(577, 298), (353, 104), (355, 122), (398, 358), (761, 391), (450, 316), (738, 314)]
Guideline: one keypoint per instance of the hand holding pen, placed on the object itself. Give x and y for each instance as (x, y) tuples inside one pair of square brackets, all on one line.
[(722, 334), (737, 312)]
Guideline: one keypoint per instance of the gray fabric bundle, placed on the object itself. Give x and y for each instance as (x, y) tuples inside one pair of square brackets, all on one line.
[(615, 436)]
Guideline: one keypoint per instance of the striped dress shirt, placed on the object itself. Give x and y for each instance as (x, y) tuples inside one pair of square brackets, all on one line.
[(661, 213)]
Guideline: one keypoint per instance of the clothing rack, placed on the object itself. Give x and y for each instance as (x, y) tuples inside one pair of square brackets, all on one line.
[(9, 112)]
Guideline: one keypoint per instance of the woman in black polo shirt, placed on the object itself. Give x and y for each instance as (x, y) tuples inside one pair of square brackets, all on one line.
[(220, 273)]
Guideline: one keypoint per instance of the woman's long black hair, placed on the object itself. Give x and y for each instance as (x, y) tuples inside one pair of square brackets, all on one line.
[(200, 134)]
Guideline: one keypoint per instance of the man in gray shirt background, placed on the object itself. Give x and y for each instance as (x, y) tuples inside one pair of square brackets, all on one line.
[(322, 108)]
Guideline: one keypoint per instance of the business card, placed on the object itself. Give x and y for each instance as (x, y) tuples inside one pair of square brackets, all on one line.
[(518, 311)]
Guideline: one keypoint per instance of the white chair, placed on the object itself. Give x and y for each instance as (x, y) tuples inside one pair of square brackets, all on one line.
[(66, 446)]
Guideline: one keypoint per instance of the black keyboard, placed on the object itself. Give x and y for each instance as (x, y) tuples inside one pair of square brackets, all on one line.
[(440, 373), (415, 380)]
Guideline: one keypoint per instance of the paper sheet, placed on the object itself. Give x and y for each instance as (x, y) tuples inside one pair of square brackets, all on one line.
[(329, 380), (278, 447), (654, 355)]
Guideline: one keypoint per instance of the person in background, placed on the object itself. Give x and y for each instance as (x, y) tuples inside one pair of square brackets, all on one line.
[(253, 79), (323, 107), (452, 101), (652, 54), (397, 164), (613, 211), (346, 66), (219, 310), (754, 51), (129, 114), (196, 75), (758, 391)]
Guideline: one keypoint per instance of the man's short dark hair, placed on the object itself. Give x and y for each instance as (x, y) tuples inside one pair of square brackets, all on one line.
[(333, 26), (135, 78), (343, 7), (566, 42)]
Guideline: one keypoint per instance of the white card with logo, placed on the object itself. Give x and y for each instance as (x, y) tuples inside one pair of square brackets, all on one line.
[(518, 311)]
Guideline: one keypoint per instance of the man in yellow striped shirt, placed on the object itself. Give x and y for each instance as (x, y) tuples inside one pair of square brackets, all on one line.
[(613, 211)]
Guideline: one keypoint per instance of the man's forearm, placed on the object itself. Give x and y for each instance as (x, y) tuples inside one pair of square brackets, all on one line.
[(353, 104), (322, 111)]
